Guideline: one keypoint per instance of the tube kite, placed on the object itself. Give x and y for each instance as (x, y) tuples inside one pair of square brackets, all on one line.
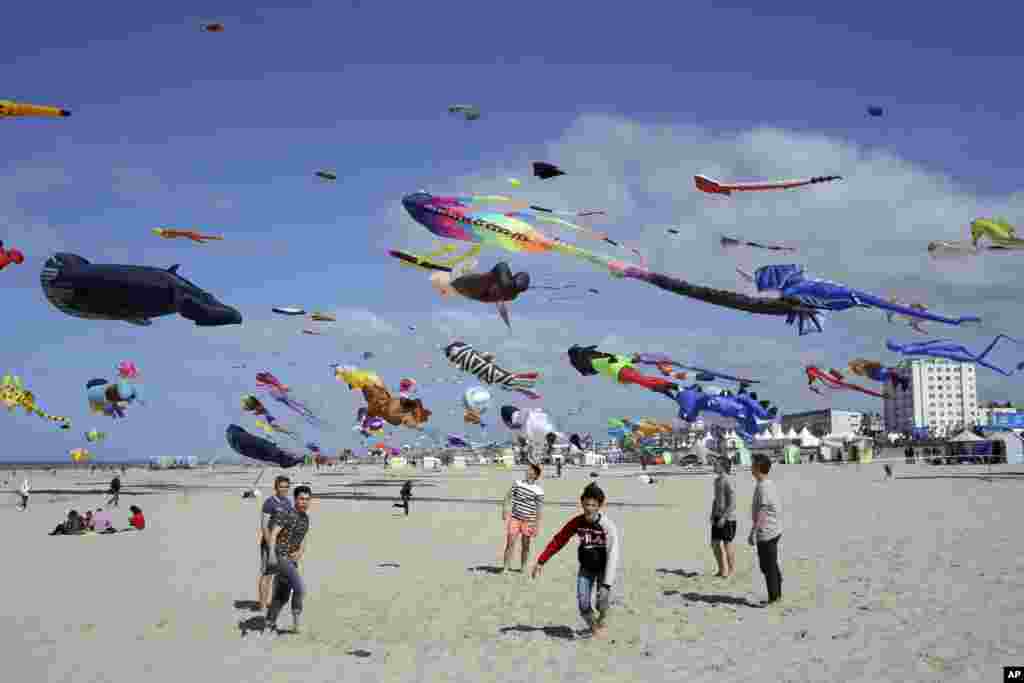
[(834, 380), (14, 394), (588, 361), (468, 111), (483, 367), (947, 348), (712, 186), (9, 256), (546, 171), (198, 237), (728, 242), (326, 175), (257, 448), (10, 109)]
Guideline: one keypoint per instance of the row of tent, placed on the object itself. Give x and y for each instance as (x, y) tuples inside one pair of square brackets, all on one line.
[(163, 462)]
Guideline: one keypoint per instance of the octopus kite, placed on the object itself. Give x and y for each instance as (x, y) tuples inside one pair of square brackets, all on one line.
[(13, 394), (588, 361), (110, 399), (483, 367), (834, 380), (497, 286), (200, 238), (947, 348), (878, 372), (743, 407), (712, 186), (9, 256)]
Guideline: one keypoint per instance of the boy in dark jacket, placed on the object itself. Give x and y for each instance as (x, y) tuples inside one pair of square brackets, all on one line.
[(598, 557)]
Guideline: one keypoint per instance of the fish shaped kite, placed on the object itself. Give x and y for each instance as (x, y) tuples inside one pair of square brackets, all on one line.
[(10, 109), (9, 256), (468, 111), (198, 237), (326, 175), (712, 186), (947, 348), (483, 367), (257, 448), (463, 218), (497, 286)]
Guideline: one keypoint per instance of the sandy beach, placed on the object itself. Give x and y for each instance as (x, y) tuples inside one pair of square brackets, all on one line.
[(915, 579)]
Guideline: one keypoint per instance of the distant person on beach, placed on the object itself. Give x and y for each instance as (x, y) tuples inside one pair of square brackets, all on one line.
[(271, 505), (767, 527), (137, 521), (598, 557), (522, 511), (115, 491), (406, 494), (723, 519), (289, 530), (25, 489), (72, 525)]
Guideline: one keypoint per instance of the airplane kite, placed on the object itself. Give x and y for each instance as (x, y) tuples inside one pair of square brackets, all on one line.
[(9, 109), (198, 237), (947, 348), (834, 380), (712, 186)]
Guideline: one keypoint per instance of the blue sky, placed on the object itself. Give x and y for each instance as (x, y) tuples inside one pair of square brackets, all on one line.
[(222, 132)]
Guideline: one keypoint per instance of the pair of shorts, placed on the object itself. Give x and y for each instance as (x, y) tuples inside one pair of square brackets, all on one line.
[(725, 533), (520, 527)]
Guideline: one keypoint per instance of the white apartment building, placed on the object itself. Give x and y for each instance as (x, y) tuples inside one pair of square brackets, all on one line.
[(824, 422), (942, 395)]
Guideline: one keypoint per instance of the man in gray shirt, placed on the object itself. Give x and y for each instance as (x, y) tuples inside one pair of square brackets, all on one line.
[(271, 505), (723, 519), (766, 512)]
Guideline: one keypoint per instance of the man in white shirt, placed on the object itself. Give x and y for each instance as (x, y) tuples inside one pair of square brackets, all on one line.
[(24, 491)]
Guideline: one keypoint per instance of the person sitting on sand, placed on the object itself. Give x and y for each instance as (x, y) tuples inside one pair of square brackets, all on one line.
[(137, 521), (101, 522), (72, 525), (598, 556), (87, 521)]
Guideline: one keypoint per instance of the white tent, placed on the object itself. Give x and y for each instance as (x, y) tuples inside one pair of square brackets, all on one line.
[(966, 436), (808, 440), (791, 434)]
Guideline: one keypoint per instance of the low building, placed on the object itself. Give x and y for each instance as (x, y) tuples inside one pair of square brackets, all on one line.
[(823, 422)]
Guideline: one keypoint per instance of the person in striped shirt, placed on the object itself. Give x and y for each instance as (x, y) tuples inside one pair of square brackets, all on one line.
[(522, 512)]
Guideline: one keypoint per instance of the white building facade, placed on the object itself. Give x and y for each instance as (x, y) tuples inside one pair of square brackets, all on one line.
[(943, 396), (823, 422)]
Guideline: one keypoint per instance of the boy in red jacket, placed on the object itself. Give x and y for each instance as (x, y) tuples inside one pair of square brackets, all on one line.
[(598, 556)]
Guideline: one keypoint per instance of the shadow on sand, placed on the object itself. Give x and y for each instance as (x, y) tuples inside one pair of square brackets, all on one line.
[(712, 599), (563, 632), (251, 605), (679, 572), (486, 569)]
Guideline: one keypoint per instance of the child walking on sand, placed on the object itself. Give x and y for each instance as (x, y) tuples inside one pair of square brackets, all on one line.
[(522, 512), (767, 529), (598, 557)]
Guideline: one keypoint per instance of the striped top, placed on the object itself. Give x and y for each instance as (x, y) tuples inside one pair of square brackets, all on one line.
[(526, 500)]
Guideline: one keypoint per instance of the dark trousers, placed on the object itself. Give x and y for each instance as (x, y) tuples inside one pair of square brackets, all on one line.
[(403, 504), (768, 558), (115, 498)]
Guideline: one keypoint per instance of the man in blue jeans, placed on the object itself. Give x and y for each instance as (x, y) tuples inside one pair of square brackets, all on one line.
[(289, 529)]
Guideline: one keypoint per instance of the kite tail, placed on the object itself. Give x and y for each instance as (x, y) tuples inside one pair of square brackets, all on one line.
[(912, 313), (603, 262), (523, 382), (64, 422)]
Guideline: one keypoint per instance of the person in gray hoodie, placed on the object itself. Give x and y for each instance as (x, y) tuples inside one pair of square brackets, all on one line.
[(766, 512), (723, 519)]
